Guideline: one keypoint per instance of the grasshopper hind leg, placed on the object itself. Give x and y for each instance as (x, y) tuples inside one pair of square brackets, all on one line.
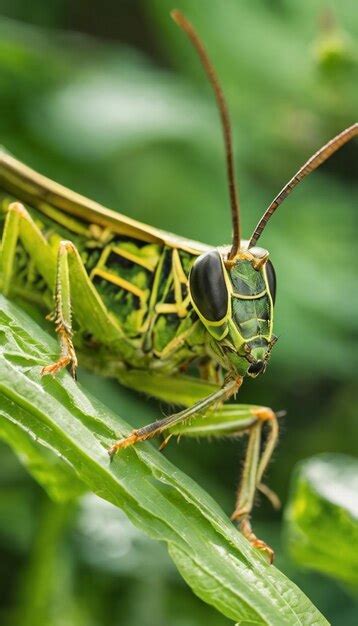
[(64, 270), (20, 227)]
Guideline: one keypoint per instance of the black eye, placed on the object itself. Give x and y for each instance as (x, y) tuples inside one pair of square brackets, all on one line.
[(271, 279), (208, 288), (256, 368)]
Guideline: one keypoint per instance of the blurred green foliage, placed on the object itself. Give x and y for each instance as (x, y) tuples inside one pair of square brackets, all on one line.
[(322, 517), (131, 122)]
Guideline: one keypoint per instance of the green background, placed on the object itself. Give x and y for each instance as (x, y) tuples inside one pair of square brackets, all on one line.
[(109, 99)]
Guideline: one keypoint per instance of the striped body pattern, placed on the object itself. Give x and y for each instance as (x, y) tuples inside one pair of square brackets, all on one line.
[(144, 286)]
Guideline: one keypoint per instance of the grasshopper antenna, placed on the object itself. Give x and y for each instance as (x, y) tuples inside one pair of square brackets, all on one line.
[(188, 28), (312, 164)]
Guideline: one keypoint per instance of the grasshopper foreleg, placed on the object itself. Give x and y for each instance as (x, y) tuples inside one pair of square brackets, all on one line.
[(156, 428), (209, 417)]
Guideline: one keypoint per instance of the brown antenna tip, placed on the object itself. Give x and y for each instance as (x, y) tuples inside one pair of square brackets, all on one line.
[(175, 15), (312, 164), (188, 28)]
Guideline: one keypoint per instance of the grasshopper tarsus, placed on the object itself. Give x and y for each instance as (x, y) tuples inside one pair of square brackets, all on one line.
[(68, 358), (121, 444), (54, 368), (258, 544)]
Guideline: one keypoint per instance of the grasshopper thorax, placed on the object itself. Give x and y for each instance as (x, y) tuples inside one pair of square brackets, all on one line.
[(234, 300)]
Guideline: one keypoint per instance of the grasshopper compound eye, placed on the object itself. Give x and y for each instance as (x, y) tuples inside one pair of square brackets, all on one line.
[(208, 288)]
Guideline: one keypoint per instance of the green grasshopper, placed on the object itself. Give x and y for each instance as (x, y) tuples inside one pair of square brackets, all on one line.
[(182, 321)]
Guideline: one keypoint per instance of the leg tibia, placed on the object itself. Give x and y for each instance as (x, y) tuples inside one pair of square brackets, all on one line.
[(255, 465), (200, 407), (87, 305), (74, 289), (183, 390), (62, 315)]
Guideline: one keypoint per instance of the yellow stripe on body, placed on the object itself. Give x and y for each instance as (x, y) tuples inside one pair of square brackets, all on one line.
[(120, 282)]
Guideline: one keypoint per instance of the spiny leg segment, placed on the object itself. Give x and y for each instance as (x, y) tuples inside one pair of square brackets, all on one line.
[(254, 467), (64, 269), (156, 428), (256, 461), (62, 314)]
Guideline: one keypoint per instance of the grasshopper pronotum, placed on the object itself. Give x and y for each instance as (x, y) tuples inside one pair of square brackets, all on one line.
[(147, 305)]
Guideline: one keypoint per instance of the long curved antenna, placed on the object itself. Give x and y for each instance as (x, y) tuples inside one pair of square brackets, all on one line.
[(315, 161), (188, 28)]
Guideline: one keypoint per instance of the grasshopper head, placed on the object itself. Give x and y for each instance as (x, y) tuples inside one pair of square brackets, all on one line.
[(234, 300)]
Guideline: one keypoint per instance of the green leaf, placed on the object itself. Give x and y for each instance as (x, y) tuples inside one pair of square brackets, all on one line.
[(322, 516), (215, 560), (53, 474)]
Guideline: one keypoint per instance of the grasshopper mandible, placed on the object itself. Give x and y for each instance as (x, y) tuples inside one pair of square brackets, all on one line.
[(148, 304)]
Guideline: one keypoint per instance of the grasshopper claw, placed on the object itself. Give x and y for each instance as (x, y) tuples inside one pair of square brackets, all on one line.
[(62, 362), (259, 544), (68, 354), (55, 367), (123, 443)]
